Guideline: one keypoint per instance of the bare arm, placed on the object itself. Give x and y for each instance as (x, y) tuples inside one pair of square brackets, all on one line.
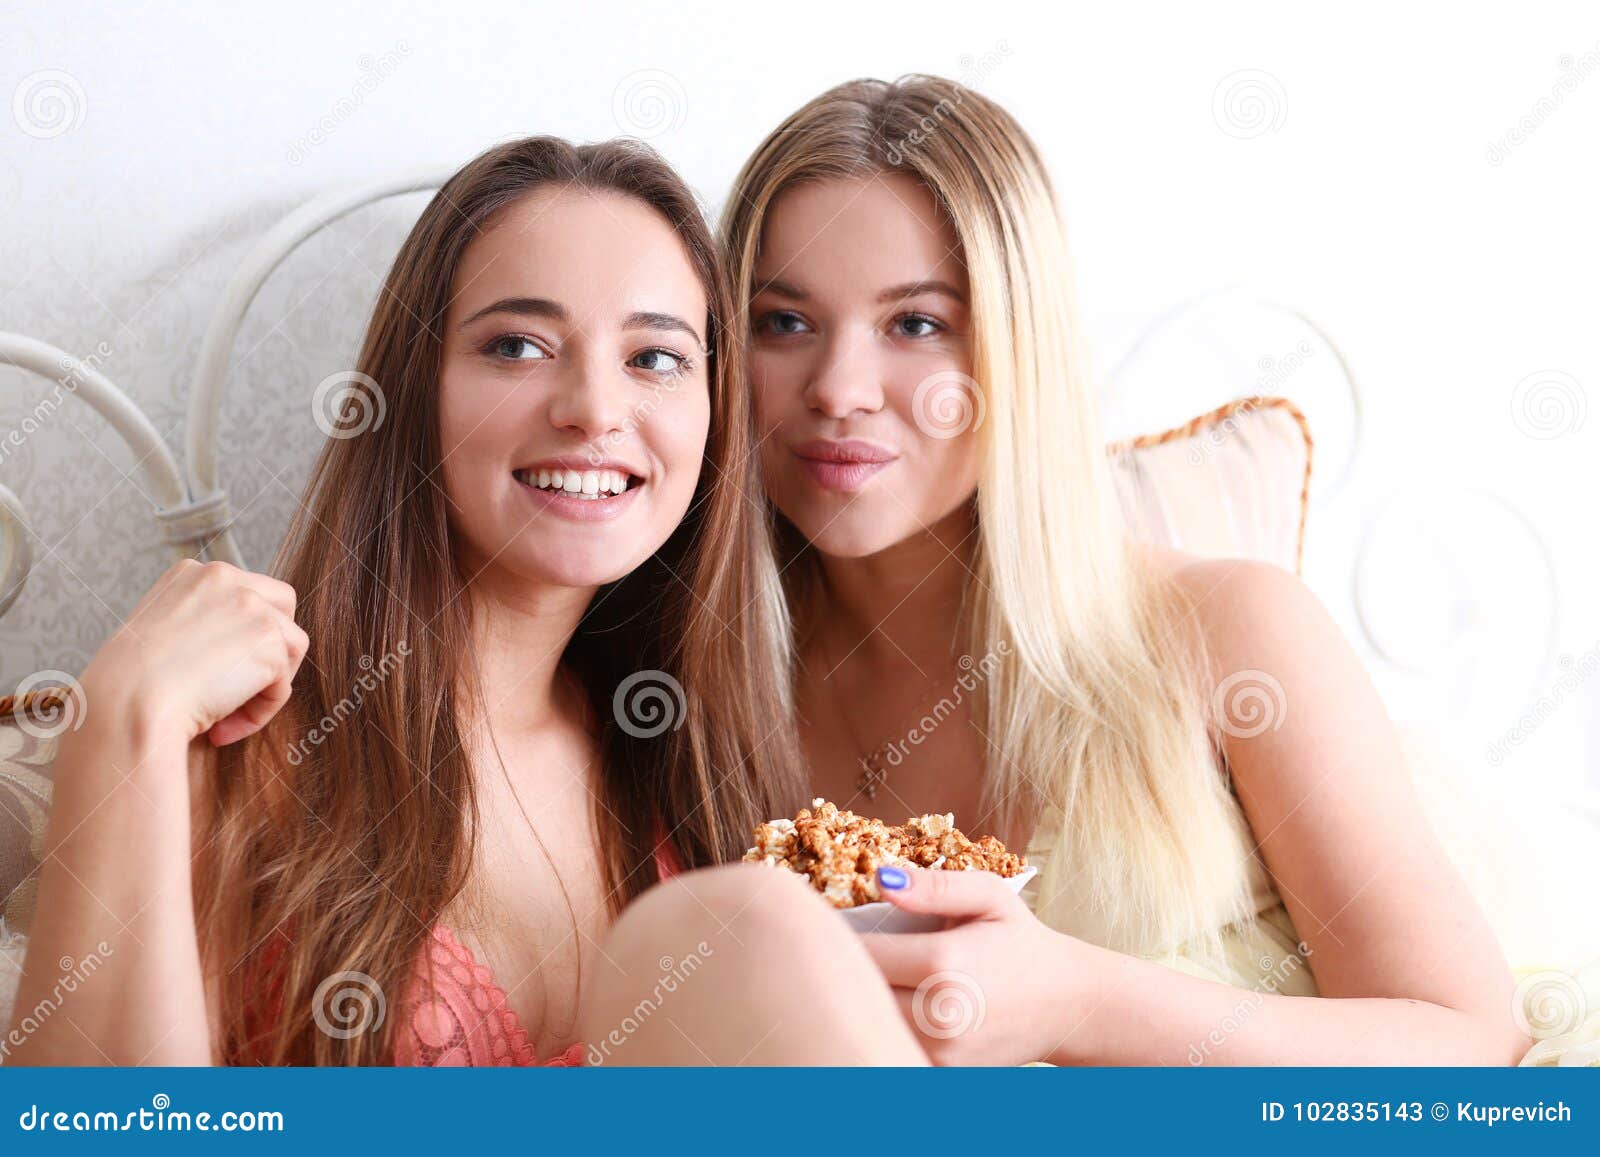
[(1413, 970), (113, 973)]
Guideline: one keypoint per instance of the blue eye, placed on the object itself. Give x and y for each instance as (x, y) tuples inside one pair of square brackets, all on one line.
[(783, 322), (514, 347), (659, 361), (905, 323)]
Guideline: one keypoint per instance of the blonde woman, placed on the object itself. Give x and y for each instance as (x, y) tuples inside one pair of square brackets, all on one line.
[(380, 809), (973, 632)]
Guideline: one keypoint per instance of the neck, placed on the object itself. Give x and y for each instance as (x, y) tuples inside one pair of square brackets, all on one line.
[(519, 632), (905, 601)]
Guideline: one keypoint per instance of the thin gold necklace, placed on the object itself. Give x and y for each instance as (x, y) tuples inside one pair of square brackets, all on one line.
[(874, 769)]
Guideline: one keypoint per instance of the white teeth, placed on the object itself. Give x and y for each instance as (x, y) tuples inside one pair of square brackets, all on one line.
[(578, 483)]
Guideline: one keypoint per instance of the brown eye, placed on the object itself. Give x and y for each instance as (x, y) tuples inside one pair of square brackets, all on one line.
[(783, 322), (916, 325)]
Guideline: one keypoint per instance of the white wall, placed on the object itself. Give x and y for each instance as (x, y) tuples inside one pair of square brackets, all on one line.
[(1378, 194)]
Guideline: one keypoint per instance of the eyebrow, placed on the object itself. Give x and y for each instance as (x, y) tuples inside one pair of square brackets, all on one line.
[(892, 294), (523, 306), (662, 321), (555, 311)]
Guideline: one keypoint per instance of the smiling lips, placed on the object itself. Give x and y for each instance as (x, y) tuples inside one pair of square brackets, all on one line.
[(843, 466), (582, 493)]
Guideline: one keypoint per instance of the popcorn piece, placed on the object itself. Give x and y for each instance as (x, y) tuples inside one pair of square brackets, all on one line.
[(840, 852)]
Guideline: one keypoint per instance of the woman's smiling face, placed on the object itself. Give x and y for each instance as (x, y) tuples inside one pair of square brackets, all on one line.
[(859, 361), (574, 400)]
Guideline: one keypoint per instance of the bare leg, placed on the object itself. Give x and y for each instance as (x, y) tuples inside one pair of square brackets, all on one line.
[(740, 965)]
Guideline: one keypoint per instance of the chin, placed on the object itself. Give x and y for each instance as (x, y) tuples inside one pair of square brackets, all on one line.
[(854, 535), (575, 564)]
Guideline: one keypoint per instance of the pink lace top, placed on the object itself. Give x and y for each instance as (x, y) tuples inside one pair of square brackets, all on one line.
[(465, 1018)]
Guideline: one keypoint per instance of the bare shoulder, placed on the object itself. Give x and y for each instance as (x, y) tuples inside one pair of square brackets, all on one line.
[(1250, 612)]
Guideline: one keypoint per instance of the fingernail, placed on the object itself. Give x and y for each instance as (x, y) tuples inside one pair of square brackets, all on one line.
[(892, 878)]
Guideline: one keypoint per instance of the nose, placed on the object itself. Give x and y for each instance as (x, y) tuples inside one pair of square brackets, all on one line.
[(847, 381), (593, 398)]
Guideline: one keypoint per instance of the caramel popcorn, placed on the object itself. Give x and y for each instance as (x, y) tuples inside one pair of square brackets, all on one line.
[(841, 852)]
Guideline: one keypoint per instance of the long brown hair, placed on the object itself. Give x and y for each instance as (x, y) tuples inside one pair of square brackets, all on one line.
[(333, 859)]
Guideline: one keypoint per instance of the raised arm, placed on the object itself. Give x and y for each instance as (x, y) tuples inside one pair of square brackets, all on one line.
[(206, 658)]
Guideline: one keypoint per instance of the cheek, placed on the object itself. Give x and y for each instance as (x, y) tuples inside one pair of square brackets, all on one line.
[(776, 382), (677, 436)]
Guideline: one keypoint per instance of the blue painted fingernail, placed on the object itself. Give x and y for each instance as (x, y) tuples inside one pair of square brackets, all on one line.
[(892, 878)]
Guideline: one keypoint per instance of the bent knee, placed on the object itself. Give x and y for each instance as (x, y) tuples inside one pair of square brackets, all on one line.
[(743, 897)]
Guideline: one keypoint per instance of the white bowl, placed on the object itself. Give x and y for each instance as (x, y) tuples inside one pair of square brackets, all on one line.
[(883, 916)]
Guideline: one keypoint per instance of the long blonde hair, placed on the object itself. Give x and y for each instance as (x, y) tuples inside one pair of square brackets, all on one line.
[(1099, 716), (333, 860)]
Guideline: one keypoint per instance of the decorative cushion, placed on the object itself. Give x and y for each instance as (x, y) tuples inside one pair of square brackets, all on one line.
[(25, 767), (1234, 483)]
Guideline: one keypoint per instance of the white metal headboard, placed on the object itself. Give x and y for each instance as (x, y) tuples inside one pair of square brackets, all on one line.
[(194, 512)]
